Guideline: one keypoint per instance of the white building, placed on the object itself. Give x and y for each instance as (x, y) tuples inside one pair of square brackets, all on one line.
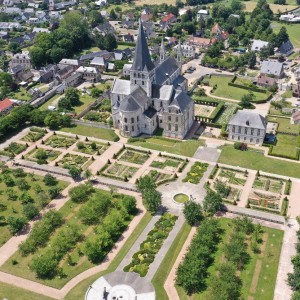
[(257, 45), (202, 14), (187, 50)]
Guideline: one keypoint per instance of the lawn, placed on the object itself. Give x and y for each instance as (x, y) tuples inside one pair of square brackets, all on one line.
[(269, 264), (231, 92), (250, 6), (20, 94), (16, 190), (287, 145), (257, 161), (284, 125), (50, 102), (85, 101), (99, 133), (165, 267), (79, 291), (75, 260), (292, 30), (12, 292), (185, 148)]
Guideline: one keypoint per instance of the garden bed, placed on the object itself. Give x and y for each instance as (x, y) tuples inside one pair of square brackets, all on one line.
[(166, 162), (142, 259), (13, 149), (60, 141), (161, 177), (91, 148), (70, 160), (196, 173), (134, 156), (119, 171), (232, 177), (42, 156), (269, 184), (33, 135)]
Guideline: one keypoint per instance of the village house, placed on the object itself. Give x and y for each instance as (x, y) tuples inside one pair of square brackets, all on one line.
[(247, 127), (187, 50), (99, 63), (266, 81), (285, 49), (272, 68), (21, 59), (89, 74), (295, 118), (6, 105), (257, 45), (202, 14), (74, 63), (218, 33), (199, 42), (167, 20)]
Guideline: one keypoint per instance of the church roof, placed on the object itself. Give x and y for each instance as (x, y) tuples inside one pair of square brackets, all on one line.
[(142, 60), (182, 100), (121, 87), (163, 92), (129, 104), (138, 98), (165, 70)]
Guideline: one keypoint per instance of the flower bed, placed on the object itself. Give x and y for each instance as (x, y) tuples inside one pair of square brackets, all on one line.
[(142, 259), (233, 177), (165, 162), (49, 155), (269, 184), (133, 156), (196, 173), (60, 141), (120, 171), (72, 160), (13, 149), (91, 148), (34, 135)]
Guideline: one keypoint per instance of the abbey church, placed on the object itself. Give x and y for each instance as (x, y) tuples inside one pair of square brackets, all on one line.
[(154, 97)]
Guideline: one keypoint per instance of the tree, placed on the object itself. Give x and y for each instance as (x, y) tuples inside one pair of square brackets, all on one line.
[(94, 18), (15, 224), (6, 82), (212, 203), (50, 180), (110, 42), (252, 60), (14, 47), (192, 212), (113, 15), (88, 174), (54, 191), (73, 95), (129, 203), (146, 182), (152, 200), (65, 104), (282, 36), (37, 56), (44, 266), (246, 100), (81, 193), (30, 211), (95, 93), (74, 172)]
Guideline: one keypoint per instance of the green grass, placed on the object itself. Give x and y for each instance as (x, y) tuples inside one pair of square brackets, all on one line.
[(165, 267), (185, 148), (257, 161), (85, 101), (267, 275), (284, 125), (20, 94), (231, 92), (99, 133), (181, 198), (287, 145), (292, 30), (78, 292), (50, 102), (8, 291)]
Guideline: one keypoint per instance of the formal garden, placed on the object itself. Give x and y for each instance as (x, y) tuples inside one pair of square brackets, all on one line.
[(118, 171), (142, 259), (63, 244), (196, 172), (169, 163), (160, 177), (232, 176), (33, 135), (272, 184), (230, 259), (264, 201), (73, 160), (134, 156), (23, 195), (90, 147), (42, 155), (60, 141), (13, 149)]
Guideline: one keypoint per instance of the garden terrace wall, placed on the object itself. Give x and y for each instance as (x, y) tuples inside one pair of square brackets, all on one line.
[(219, 108)]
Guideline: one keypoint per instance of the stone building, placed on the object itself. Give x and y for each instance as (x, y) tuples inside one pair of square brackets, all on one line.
[(247, 127), (154, 97)]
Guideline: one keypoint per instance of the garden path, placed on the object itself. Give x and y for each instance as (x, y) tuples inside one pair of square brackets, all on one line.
[(247, 189), (169, 284), (294, 200)]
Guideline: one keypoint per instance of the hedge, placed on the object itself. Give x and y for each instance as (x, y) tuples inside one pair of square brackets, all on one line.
[(284, 155), (213, 172), (284, 207), (249, 88), (287, 188)]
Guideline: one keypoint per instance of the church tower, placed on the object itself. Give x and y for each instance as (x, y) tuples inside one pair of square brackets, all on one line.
[(162, 51), (142, 72)]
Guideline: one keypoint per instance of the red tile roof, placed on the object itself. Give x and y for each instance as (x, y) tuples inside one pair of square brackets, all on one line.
[(168, 17), (5, 104)]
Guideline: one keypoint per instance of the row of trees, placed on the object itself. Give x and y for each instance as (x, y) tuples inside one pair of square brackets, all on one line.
[(294, 278), (151, 197)]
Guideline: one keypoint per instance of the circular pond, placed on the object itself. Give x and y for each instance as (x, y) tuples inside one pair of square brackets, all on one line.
[(181, 198)]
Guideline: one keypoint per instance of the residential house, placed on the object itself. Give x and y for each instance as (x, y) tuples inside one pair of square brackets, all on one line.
[(285, 49), (257, 45), (128, 38), (74, 63), (89, 74), (6, 105), (4, 35), (202, 14), (202, 43), (266, 81), (247, 127), (146, 17), (167, 20), (149, 28), (64, 73), (105, 28), (129, 24), (291, 18), (47, 73), (218, 33), (295, 118), (40, 29), (71, 81), (126, 69), (101, 2), (86, 58), (129, 16), (99, 63), (187, 50), (21, 59), (272, 68), (10, 26)]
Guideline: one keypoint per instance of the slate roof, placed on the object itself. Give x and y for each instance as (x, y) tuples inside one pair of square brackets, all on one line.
[(165, 70), (93, 55), (150, 112), (248, 119), (121, 87), (98, 61), (129, 104), (162, 92), (271, 67), (286, 47), (182, 101), (142, 60), (137, 99)]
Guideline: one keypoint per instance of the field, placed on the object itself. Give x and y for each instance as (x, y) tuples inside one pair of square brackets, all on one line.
[(231, 92), (292, 30), (99, 133), (258, 275), (257, 161), (250, 5), (185, 148)]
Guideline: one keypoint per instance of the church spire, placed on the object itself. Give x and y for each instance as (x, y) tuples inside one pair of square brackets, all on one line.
[(162, 50), (142, 60), (179, 54)]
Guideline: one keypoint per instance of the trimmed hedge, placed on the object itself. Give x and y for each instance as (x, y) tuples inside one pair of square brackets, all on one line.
[(285, 155), (249, 88), (213, 172), (287, 188)]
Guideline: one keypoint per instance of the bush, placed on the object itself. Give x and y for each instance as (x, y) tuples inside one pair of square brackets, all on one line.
[(81, 193)]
